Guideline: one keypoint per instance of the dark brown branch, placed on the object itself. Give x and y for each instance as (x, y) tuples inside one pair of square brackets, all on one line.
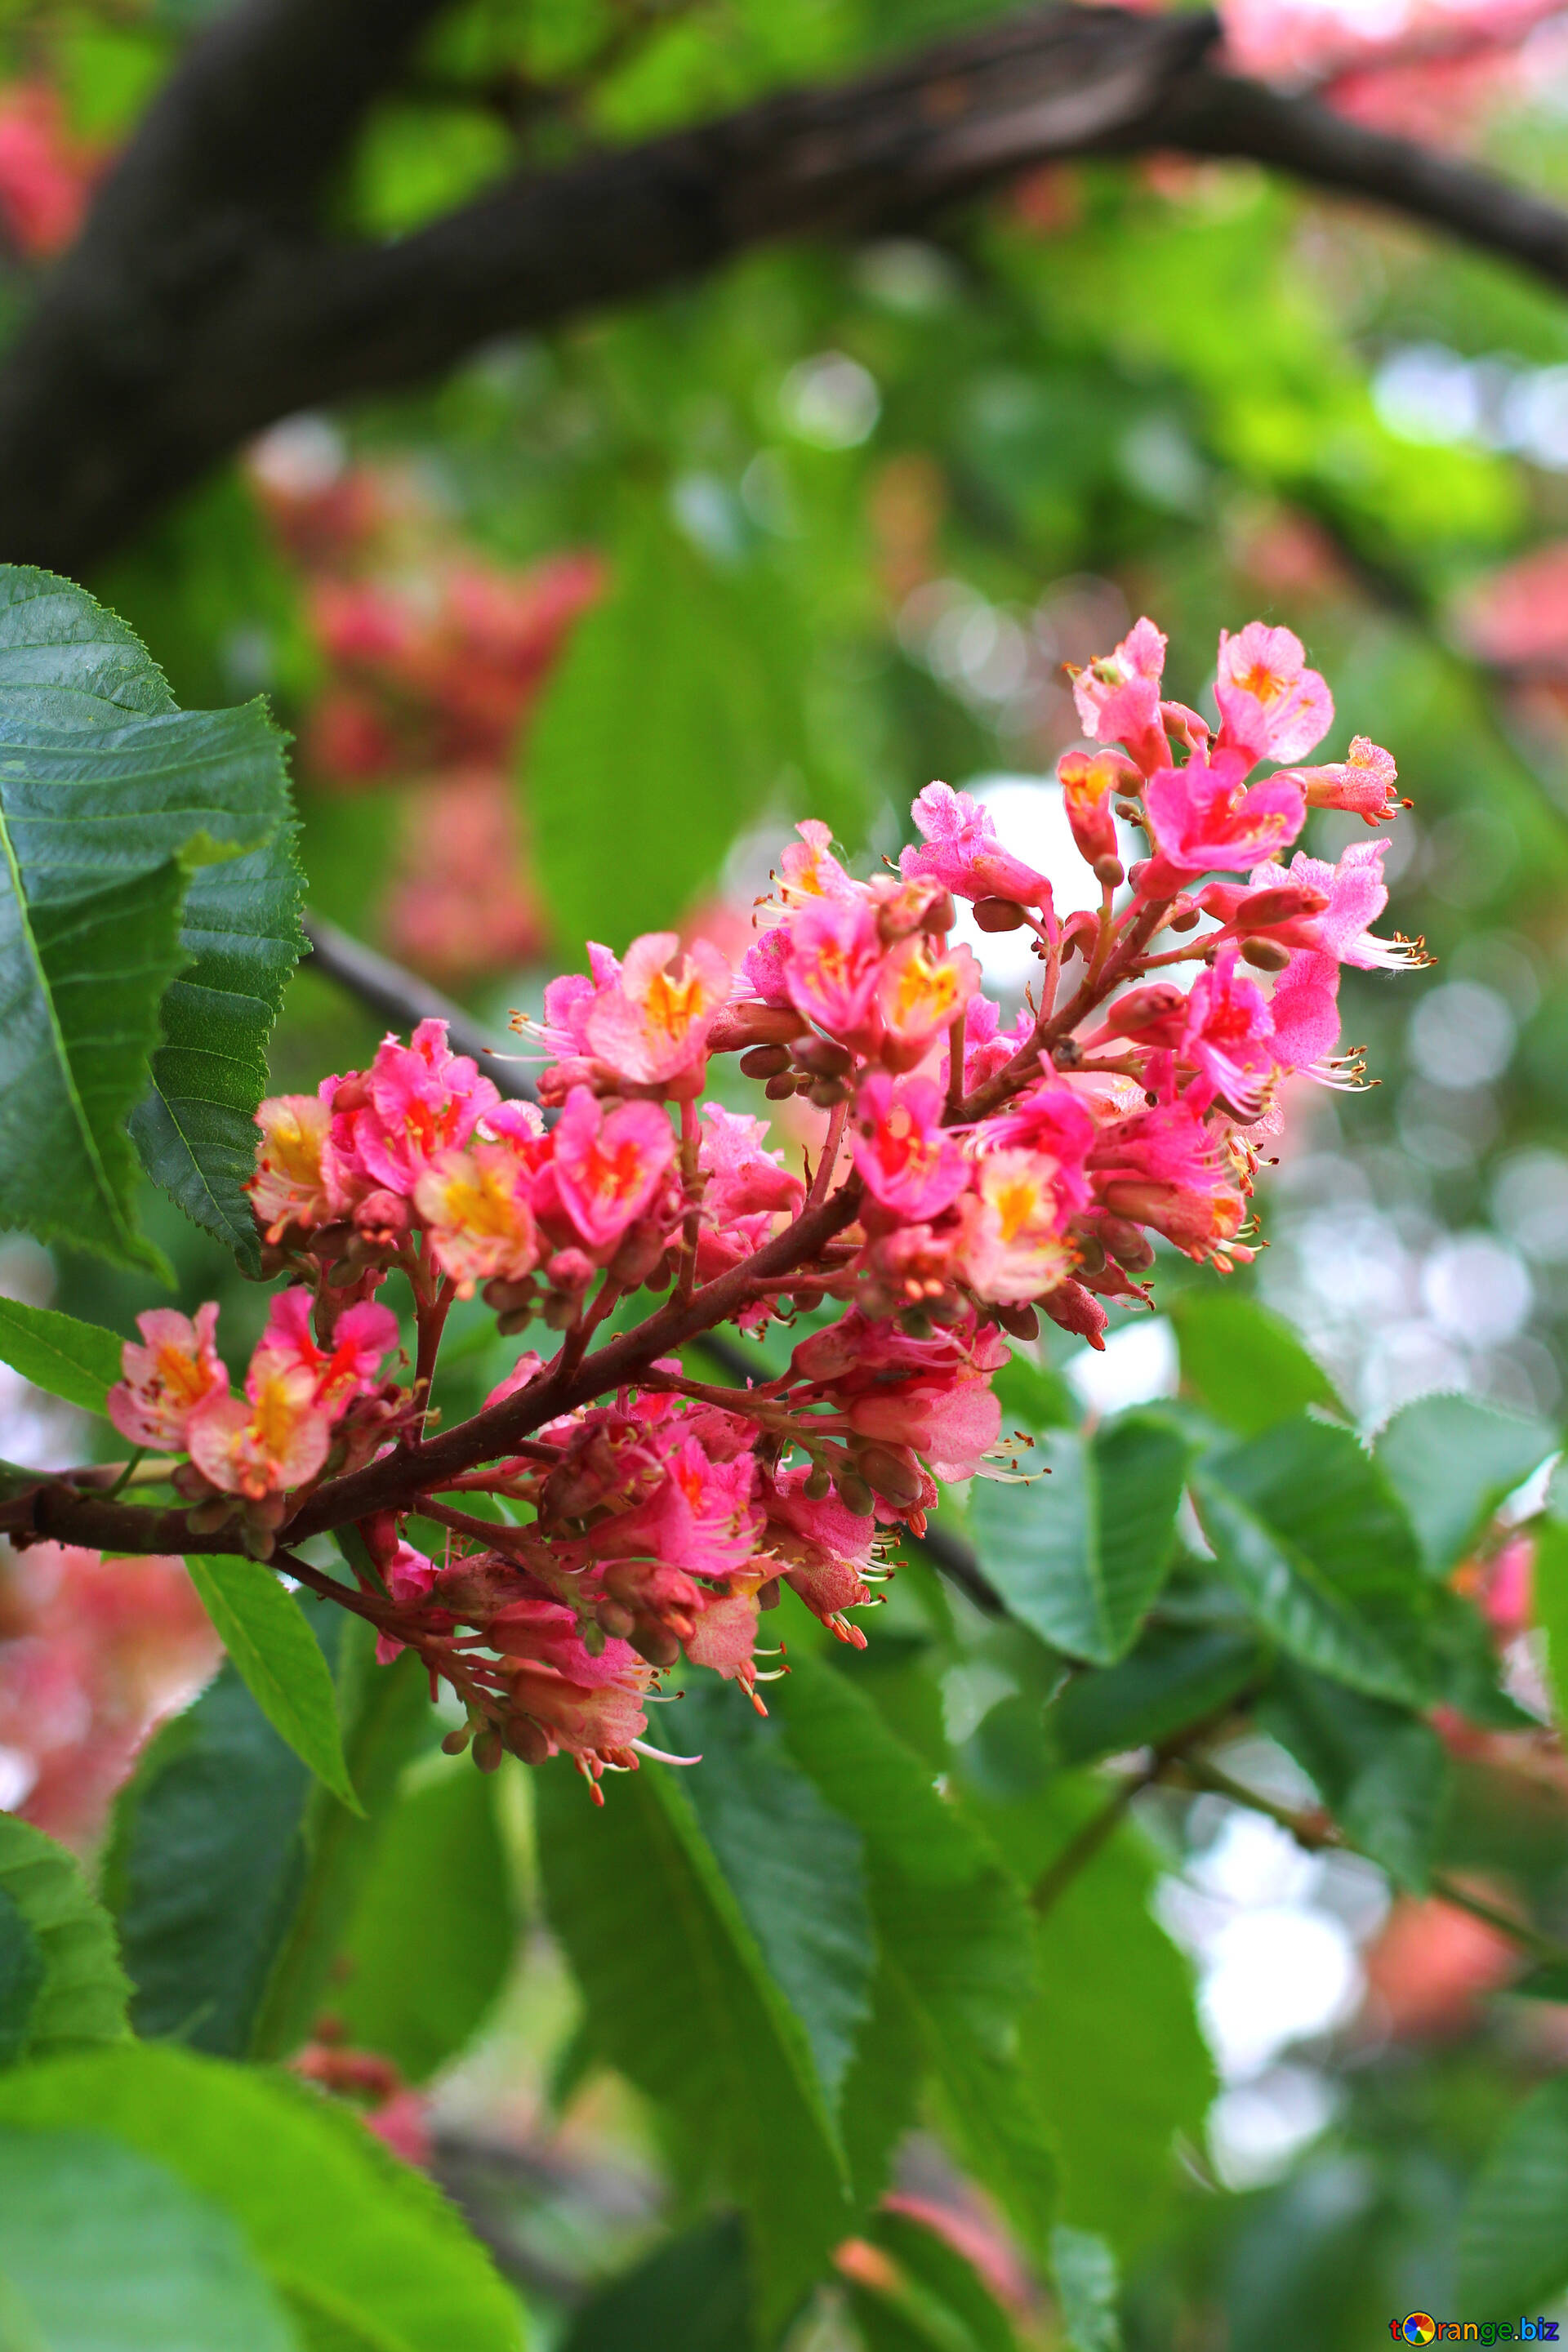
[(203, 302)]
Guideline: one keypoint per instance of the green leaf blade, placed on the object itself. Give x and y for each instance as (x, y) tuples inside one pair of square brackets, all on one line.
[(279, 1660), (80, 1362), (79, 2001)]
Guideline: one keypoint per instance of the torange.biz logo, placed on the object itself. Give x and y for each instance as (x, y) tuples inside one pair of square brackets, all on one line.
[(1420, 2327)]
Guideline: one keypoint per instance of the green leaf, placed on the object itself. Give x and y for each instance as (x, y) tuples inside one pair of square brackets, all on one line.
[(111, 799), (1079, 1555), (1451, 1460), (1035, 1397), (691, 2295), (1175, 1676), (941, 2296), (1110, 2040), (1305, 1526), (195, 1130), (387, 1719), (23, 1968), (681, 2000), (1513, 2244), (1084, 2269), (78, 1361), (279, 1660), (955, 1938), (1383, 1773), (1548, 1587), (80, 2000), (324, 2211), (205, 1868), (432, 1939), (108, 2253), (1243, 1364), (795, 1867), (701, 655)]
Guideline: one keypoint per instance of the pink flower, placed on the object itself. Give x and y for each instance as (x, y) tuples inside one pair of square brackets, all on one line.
[(289, 1186), (835, 963), (477, 1209), (744, 1180), (272, 1439), (809, 870), (651, 1026), (1229, 1038), (1357, 895), (906, 1159), (1052, 1123), (962, 852), (1118, 698), (1170, 1145), (422, 1098), (1013, 1248), (954, 1423), (1273, 705), (608, 1167), (168, 1379), (724, 1640), (1089, 780), (765, 968), (597, 1721), (349, 1367), (921, 990), (1305, 1012), (1205, 818), (1364, 783)]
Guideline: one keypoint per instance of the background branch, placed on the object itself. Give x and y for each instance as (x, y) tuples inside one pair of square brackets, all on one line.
[(204, 300)]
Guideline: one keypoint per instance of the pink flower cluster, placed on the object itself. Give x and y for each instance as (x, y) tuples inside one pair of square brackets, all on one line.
[(972, 1173)]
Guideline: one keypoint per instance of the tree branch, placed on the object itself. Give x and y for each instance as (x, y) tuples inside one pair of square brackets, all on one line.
[(203, 302)]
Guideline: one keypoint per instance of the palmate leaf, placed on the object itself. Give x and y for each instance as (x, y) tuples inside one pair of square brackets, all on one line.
[(278, 1659), (63, 1962), (120, 818)]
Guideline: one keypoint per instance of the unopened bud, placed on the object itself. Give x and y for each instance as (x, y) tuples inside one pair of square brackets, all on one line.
[(941, 914), (615, 1619), (765, 1061), (1021, 1322), (1128, 1244), (1265, 955), (525, 1739), (1286, 902), (890, 1475), (640, 1248), (1110, 871), (828, 1093), (489, 1750), (456, 1742), (998, 915), (351, 1095), (781, 1088), (654, 1642), (854, 1493), (768, 1593), (1092, 1254), (824, 1059), (506, 1297), (1156, 1013), (515, 1319), (1183, 916), (818, 1483), (1077, 1310)]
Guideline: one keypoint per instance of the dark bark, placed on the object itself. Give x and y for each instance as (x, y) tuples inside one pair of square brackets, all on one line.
[(203, 301)]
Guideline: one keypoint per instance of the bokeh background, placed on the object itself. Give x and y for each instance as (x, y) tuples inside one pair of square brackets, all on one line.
[(568, 642)]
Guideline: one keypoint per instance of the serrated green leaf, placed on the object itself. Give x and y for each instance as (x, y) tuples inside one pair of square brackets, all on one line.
[(690, 2295), (1244, 1363), (196, 1129), (1383, 1773), (956, 1942), (23, 1968), (205, 1863), (433, 1934), (795, 1867), (81, 2002), (1305, 1526), (1175, 1676), (1514, 2244), (279, 1660), (1109, 2039), (109, 2252), (78, 1361), (1451, 1460), (681, 2000), (1079, 1555), (110, 801), (322, 2207)]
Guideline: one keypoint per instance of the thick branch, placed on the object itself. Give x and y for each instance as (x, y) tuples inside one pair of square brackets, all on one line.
[(201, 304)]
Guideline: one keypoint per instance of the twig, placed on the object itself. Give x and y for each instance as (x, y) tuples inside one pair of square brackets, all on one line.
[(406, 1000)]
